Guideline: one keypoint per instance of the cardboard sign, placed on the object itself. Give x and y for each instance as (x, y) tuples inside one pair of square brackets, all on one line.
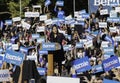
[(4, 75)]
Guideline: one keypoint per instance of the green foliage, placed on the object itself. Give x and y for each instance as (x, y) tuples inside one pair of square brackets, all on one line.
[(14, 7)]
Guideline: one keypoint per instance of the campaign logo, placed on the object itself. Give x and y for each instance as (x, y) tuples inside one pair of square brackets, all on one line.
[(81, 64), (13, 57), (111, 63)]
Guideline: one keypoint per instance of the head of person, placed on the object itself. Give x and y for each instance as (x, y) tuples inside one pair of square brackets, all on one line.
[(55, 29)]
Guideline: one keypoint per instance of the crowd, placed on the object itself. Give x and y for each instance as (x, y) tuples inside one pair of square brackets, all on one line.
[(74, 38)]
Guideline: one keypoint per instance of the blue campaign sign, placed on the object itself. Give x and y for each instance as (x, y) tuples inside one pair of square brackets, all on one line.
[(42, 71), (82, 12), (43, 52), (48, 46), (109, 81), (13, 57), (23, 49), (1, 59), (97, 68), (107, 4), (35, 36), (110, 63), (8, 22), (60, 3), (113, 19), (47, 2), (108, 50), (79, 45), (85, 15), (67, 47), (82, 64)]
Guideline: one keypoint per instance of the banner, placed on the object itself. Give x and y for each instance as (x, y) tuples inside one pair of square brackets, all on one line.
[(4, 75), (48, 46), (43, 52), (25, 25), (16, 19), (47, 2), (82, 64), (109, 81), (35, 36), (41, 40), (97, 68), (55, 79), (111, 63), (14, 57), (79, 45), (43, 17), (1, 59), (31, 14), (42, 71), (67, 47), (113, 19), (8, 22), (107, 4), (60, 3), (104, 12), (103, 24)]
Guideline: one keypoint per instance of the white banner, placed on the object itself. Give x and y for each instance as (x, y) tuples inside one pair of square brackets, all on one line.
[(103, 24), (31, 14), (43, 17), (117, 9), (104, 12), (4, 75), (25, 25), (15, 46), (16, 19), (41, 29), (36, 6), (54, 79), (113, 29), (48, 22)]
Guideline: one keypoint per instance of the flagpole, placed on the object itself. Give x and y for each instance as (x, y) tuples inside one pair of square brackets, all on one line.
[(20, 8), (74, 7)]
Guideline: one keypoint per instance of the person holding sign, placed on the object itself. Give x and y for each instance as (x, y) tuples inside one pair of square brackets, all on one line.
[(60, 12), (57, 37)]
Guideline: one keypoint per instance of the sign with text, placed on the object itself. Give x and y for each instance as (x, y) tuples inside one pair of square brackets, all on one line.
[(43, 17), (104, 12), (82, 64), (42, 71), (107, 4), (103, 24), (97, 68), (16, 19), (14, 57), (32, 14), (111, 63), (4, 75)]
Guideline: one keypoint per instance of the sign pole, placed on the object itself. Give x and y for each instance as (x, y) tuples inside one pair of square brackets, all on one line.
[(50, 65)]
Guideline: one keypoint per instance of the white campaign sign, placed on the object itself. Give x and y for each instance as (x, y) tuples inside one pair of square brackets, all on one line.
[(48, 22), (104, 44), (113, 29), (16, 19), (117, 9), (113, 14), (103, 24), (54, 79), (25, 25), (43, 17), (15, 46), (41, 29), (4, 75), (89, 43), (104, 12), (31, 14)]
